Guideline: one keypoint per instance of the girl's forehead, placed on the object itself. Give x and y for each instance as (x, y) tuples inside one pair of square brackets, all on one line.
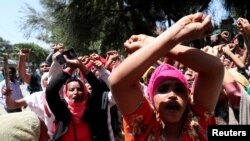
[(170, 81), (73, 83)]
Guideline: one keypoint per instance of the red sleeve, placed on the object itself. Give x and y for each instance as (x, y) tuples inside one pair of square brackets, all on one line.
[(141, 123), (102, 60)]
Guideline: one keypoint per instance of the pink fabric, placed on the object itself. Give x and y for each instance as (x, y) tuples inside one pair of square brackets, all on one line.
[(76, 109), (162, 73), (89, 65), (104, 61), (234, 93), (82, 130)]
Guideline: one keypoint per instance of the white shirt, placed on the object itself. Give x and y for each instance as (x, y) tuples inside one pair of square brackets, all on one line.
[(36, 104)]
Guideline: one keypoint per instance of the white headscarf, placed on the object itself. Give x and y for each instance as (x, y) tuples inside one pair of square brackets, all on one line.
[(44, 77)]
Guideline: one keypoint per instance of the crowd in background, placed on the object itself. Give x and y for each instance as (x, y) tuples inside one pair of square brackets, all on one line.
[(159, 91)]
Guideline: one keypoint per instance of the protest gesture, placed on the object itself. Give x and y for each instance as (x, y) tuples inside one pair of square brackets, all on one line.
[(194, 26)]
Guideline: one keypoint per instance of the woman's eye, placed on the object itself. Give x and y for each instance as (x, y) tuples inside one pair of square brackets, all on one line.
[(180, 89), (163, 89), (80, 91), (71, 90)]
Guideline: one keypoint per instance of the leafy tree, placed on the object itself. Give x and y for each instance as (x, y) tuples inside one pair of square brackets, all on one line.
[(104, 25), (238, 8), (5, 46), (37, 55)]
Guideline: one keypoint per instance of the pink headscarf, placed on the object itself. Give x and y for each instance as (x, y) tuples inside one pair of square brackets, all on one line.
[(43, 78), (76, 109), (162, 73)]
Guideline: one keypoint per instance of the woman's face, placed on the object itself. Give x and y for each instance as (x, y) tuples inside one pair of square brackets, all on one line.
[(189, 75), (88, 86), (75, 92), (171, 98)]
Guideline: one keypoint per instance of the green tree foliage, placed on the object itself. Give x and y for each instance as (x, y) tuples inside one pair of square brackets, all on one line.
[(103, 25), (37, 55), (5, 46), (238, 8)]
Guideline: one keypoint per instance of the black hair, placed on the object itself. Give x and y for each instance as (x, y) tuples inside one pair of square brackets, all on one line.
[(74, 78), (241, 41), (44, 62), (12, 69)]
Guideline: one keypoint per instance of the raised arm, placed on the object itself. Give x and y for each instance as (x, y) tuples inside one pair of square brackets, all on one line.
[(23, 53), (124, 81), (210, 74)]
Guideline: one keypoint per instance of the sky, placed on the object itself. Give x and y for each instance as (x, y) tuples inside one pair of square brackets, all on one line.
[(11, 16)]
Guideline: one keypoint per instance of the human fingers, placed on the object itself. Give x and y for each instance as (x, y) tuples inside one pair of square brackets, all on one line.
[(85, 59), (225, 33), (197, 17), (135, 38), (239, 21), (242, 24), (125, 45), (25, 51), (98, 63), (74, 63), (245, 22), (54, 56), (205, 48), (6, 91), (206, 24)]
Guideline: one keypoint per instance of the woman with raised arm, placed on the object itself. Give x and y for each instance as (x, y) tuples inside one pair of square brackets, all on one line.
[(78, 117), (172, 116)]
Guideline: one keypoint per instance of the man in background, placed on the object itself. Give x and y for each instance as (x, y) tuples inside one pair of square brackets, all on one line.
[(16, 92)]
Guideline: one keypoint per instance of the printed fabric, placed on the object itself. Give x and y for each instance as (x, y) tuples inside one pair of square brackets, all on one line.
[(144, 125)]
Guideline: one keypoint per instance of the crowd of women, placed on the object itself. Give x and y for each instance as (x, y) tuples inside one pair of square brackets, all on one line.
[(162, 90)]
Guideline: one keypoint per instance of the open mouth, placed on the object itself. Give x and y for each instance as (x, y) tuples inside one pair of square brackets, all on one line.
[(173, 105), (76, 98)]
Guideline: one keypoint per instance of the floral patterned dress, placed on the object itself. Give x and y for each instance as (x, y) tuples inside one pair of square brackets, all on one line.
[(143, 124)]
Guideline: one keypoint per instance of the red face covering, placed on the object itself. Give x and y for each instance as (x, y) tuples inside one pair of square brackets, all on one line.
[(76, 109)]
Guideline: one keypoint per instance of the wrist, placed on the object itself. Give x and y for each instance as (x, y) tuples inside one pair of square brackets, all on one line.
[(176, 31), (68, 70), (229, 54), (7, 95), (23, 57), (84, 70)]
